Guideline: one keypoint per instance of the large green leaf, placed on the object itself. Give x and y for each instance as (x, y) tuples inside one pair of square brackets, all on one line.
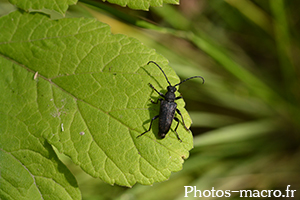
[(142, 4), (86, 91), (61, 6), (47, 6)]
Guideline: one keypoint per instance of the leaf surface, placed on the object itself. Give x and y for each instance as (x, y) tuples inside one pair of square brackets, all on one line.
[(29, 167), (86, 91), (61, 6), (46, 6), (142, 4)]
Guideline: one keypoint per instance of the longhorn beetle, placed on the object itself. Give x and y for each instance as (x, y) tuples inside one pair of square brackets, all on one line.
[(167, 107)]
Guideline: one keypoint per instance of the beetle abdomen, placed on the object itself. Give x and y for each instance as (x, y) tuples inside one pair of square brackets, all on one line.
[(166, 116)]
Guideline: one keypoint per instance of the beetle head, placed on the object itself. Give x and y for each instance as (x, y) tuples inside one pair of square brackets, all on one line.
[(171, 89)]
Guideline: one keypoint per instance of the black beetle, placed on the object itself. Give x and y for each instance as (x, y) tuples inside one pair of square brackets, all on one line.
[(168, 107)]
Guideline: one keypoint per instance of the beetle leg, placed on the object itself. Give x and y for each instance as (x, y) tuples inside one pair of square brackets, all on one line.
[(149, 126), (178, 111), (161, 94), (177, 120), (156, 101), (180, 97)]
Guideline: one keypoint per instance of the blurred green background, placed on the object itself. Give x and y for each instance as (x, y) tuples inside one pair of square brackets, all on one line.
[(246, 117)]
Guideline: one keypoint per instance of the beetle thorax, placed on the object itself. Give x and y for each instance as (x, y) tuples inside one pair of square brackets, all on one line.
[(170, 95)]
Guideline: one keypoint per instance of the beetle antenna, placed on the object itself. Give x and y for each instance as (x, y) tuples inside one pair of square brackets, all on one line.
[(160, 69), (191, 78)]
